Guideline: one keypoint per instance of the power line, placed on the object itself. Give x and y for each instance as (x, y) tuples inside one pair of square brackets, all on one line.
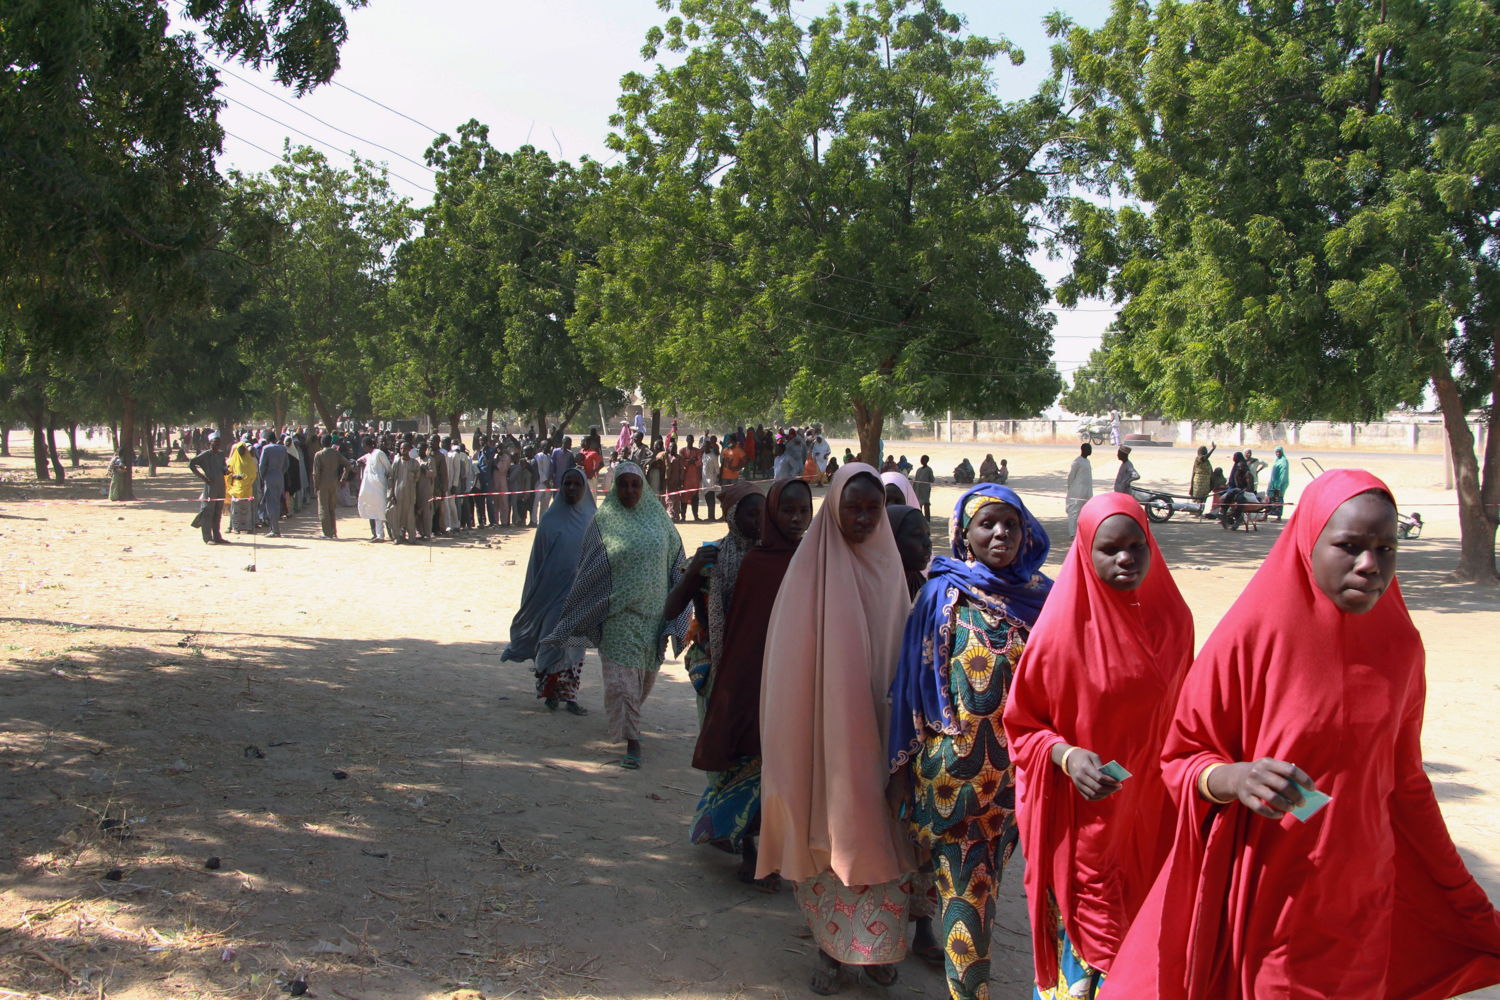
[(326, 145), (399, 114), (274, 156), (298, 108)]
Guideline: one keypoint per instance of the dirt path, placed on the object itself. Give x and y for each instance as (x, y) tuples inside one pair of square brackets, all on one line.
[(394, 815)]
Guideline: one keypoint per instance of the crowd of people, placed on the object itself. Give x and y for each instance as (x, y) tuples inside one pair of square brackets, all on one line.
[(884, 729), (413, 487)]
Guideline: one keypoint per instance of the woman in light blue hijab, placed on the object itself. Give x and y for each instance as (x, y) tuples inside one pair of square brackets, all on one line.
[(549, 577)]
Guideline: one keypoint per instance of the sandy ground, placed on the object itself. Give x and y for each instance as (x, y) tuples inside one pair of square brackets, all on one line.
[(393, 813)]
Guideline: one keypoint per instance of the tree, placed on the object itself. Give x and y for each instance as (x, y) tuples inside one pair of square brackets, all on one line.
[(835, 216), (1318, 187), (1096, 390), (327, 270), (483, 297), (107, 185)]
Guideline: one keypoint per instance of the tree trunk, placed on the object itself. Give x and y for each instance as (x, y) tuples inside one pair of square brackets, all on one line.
[(1476, 521), (151, 448), (73, 443), (57, 467), (114, 436), (278, 410), (325, 416), (127, 446), (432, 421), (489, 422), (567, 418), (541, 425), (5, 440), (655, 424), (37, 419), (453, 426), (869, 423)]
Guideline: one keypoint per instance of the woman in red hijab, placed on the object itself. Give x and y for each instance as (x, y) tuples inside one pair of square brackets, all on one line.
[(1312, 686), (1096, 685)]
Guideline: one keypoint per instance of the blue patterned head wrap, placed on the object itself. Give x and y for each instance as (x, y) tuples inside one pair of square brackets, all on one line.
[(919, 695)]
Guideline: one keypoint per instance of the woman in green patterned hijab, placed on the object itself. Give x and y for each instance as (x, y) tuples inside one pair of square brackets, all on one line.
[(631, 558)]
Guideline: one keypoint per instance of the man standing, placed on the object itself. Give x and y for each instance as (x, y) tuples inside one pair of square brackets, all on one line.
[(1281, 478), (731, 460), (541, 467), (465, 485), (692, 477), (1080, 485), (274, 463), (210, 467), (562, 461), (1127, 473), (328, 465), (821, 452), (921, 483), (456, 485), (401, 501), (438, 461), (1256, 467)]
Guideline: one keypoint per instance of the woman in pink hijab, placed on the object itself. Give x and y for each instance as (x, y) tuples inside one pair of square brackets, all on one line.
[(831, 652)]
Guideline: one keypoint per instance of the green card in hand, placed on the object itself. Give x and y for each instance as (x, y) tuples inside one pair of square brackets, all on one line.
[(1312, 801), (1115, 770)]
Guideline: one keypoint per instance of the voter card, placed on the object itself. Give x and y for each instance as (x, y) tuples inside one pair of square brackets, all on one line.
[(1312, 801), (1115, 770)]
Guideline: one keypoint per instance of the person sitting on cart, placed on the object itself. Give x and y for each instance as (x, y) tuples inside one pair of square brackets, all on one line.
[(1217, 484)]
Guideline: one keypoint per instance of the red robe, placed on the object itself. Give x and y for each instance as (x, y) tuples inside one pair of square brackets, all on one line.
[(1369, 899), (1101, 671)]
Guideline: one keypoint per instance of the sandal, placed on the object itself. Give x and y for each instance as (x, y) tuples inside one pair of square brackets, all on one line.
[(577, 709), (882, 975), (551, 704), (932, 954), (630, 762), (826, 982), (770, 884)]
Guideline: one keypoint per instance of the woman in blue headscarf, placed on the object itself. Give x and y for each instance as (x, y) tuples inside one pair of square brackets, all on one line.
[(951, 768), (549, 578)]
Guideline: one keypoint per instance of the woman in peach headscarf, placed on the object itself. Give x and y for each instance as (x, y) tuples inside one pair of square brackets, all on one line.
[(831, 651)]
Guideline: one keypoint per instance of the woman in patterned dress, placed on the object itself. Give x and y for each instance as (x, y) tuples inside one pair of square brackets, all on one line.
[(950, 764), (1097, 684), (831, 650), (630, 559)]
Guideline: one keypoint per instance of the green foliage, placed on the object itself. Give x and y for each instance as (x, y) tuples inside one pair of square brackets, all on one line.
[(324, 274), (1097, 389), (1320, 180), (833, 216), (299, 39), (1323, 180), (108, 194), (482, 298)]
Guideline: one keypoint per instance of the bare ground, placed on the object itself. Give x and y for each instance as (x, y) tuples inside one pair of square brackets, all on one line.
[(392, 813)]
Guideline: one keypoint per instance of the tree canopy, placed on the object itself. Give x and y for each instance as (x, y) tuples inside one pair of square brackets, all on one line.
[(1313, 231), (834, 215)]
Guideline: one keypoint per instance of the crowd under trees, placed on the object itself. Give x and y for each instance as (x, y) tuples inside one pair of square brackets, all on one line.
[(1295, 205)]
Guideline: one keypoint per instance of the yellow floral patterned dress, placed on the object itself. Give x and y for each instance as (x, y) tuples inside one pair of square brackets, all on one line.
[(964, 802)]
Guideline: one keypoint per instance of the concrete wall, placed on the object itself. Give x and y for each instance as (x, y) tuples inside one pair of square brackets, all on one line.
[(1381, 435)]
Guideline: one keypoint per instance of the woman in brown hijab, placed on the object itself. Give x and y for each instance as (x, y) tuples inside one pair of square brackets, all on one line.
[(729, 741)]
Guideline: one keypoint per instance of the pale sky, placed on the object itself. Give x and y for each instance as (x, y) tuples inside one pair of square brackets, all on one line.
[(541, 72)]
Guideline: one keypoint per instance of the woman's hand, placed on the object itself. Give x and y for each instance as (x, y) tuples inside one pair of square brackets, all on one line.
[(1083, 768), (705, 557), (1267, 787)]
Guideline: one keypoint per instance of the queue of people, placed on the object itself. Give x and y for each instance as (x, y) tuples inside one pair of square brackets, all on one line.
[(884, 732)]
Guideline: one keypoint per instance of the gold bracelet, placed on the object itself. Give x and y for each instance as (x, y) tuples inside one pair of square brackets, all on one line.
[(1203, 789), (1064, 762)]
